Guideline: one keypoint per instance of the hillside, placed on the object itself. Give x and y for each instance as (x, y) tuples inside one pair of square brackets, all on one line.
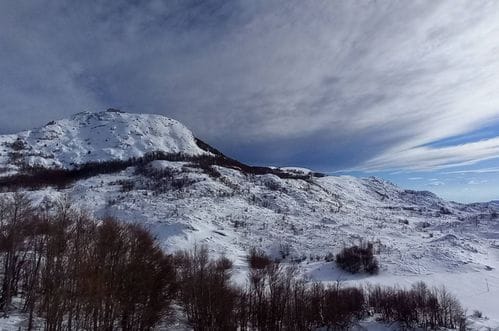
[(293, 214), (95, 137)]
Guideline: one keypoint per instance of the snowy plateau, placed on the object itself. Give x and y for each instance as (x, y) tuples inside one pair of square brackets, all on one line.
[(291, 213)]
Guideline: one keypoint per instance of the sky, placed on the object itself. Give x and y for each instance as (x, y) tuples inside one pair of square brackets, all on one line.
[(404, 90)]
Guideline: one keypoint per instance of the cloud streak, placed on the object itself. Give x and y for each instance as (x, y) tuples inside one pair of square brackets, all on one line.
[(426, 158), (477, 171)]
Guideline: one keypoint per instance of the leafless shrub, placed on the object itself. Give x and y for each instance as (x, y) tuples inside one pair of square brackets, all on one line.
[(206, 294), (358, 259), (257, 259)]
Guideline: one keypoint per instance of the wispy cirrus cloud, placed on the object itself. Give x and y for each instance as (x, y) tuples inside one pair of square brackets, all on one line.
[(427, 158), (436, 183), (477, 182), (477, 171)]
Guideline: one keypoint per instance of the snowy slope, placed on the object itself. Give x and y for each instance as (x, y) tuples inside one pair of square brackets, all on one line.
[(418, 235), (90, 137)]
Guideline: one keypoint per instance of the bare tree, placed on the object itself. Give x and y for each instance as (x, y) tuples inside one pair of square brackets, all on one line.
[(15, 213)]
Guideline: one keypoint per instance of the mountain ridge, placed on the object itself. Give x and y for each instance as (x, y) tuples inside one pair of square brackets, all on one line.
[(208, 198)]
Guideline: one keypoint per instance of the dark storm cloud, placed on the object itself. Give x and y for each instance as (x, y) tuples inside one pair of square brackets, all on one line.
[(329, 84)]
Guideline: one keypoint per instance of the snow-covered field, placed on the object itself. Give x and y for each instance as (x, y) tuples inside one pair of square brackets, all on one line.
[(417, 235)]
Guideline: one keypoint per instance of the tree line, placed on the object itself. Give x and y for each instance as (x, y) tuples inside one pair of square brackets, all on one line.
[(66, 271), (38, 176)]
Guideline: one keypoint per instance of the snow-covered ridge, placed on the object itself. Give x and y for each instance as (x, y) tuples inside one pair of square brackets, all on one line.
[(231, 207), (95, 137)]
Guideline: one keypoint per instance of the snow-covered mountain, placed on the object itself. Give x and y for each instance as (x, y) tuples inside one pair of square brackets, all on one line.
[(94, 137), (203, 197)]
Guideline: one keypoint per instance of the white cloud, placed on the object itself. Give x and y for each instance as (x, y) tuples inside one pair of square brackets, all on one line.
[(427, 158), (477, 182), (478, 171), (436, 183)]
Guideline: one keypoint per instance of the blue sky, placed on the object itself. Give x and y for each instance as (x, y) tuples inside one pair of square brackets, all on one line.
[(405, 90)]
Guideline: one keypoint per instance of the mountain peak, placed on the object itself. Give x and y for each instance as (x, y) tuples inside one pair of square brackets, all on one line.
[(95, 137)]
